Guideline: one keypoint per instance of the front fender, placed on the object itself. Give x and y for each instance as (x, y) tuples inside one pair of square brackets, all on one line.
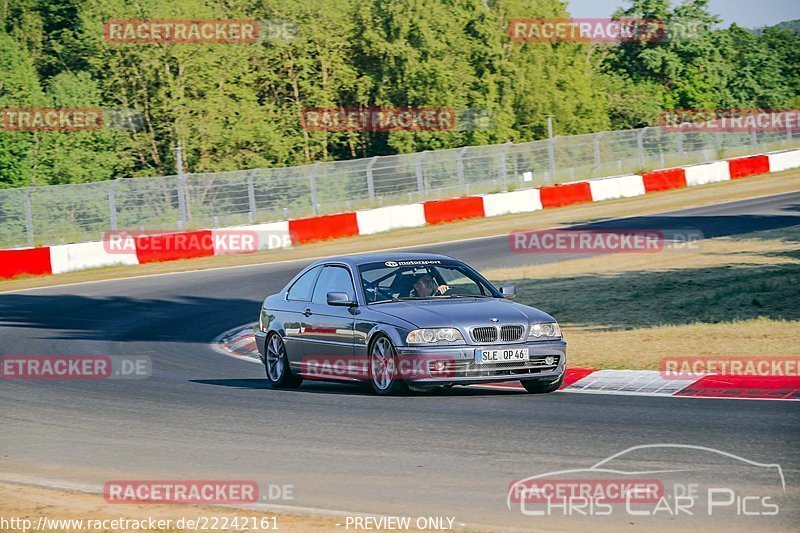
[(394, 333)]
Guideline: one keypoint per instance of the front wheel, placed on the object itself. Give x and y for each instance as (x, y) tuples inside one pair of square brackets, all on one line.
[(537, 386), (276, 364), (384, 375)]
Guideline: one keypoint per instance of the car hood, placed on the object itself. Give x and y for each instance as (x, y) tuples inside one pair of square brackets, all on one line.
[(462, 312)]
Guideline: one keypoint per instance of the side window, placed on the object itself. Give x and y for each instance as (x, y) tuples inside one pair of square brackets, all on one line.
[(458, 282), (301, 290), (333, 279)]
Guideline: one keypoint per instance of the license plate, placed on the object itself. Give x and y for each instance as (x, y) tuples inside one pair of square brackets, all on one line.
[(507, 355)]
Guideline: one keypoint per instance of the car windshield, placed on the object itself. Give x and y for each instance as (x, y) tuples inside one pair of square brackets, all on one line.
[(389, 281)]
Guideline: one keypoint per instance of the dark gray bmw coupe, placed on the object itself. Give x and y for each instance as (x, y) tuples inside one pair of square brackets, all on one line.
[(400, 321)]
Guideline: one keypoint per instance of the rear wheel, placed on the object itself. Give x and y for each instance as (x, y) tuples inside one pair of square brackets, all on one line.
[(384, 375), (277, 364), (537, 386)]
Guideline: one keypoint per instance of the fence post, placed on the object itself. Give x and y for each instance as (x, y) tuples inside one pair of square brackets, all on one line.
[(112, 204), (371, 179), (718, 140), (788, 132), (251, 196), (181, 186), (28, 216), (420, 175), (182, 201), (312, 183), (551, 153), (640, 145), (503, 171), (680, 141), (597, 137), (754, 138), (460, 167)]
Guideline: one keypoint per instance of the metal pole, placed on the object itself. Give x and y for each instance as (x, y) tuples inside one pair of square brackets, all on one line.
[(312, 183), (28, 216), (251, 196), (754, 138), (503, 170), (112, 204), (551, 148), (597, 137), (181, 187), (640, 145), (680, 141), (420, 175), (371, 179), (460, 167)]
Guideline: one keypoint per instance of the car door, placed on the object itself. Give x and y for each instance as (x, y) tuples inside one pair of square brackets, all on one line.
[(297, 300), (327, 329)]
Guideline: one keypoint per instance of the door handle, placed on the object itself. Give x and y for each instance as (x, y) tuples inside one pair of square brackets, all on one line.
[(307, 312)]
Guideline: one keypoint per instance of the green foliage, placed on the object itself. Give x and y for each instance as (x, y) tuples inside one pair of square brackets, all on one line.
[(239, 106)]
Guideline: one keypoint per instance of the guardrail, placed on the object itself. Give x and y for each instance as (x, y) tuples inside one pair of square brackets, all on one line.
[(83, 212)]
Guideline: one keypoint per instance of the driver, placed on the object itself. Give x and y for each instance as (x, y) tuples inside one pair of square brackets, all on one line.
[(426, 286)]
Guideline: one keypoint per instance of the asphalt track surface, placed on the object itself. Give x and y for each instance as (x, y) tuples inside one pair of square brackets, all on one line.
[(202, 415)]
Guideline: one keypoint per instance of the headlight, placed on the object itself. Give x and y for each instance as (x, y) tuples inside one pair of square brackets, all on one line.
[(431, 336), (549, 330)]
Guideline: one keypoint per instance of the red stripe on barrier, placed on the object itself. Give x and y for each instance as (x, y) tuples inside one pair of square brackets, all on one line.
[(323, 228), (663, 180), (576, 374), (172, 246), (744, 387), (749, 166), (560, 195), (33, 261), (455, 209)]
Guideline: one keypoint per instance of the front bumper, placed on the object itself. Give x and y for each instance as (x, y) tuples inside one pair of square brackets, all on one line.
[(461, 366)]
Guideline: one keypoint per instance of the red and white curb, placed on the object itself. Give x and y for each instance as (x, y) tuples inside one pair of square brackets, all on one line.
[(141, 249), (240, 343)]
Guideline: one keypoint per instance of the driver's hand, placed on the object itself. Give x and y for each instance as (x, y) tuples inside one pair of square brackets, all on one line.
[(443, 289)]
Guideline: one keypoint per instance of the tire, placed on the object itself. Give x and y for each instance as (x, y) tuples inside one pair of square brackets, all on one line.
[(537, 386), (383, 368), (276, 364)]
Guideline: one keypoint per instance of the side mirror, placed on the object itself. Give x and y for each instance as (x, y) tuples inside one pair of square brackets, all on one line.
[(509, 291), (340, 298)]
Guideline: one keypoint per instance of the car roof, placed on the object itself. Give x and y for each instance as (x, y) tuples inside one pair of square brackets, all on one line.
[(360, 259)]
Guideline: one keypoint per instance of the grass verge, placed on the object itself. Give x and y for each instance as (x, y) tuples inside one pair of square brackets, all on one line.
[(734, 297)]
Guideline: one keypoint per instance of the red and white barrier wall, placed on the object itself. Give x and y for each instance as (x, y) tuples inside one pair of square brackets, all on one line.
[(190, 244)]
